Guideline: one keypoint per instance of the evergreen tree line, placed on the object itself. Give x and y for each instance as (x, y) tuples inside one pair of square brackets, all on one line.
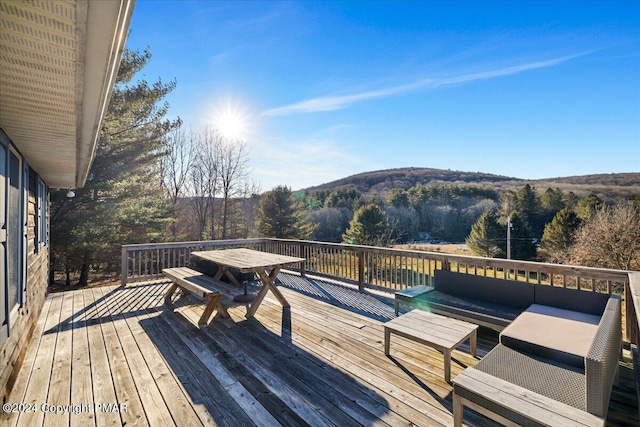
[(553, 226), (156, 180)]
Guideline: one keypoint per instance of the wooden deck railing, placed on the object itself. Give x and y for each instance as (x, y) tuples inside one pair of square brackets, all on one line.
[(385, 268)]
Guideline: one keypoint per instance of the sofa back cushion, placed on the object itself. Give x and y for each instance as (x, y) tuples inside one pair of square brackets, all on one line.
[(490, 289), (571, 299)]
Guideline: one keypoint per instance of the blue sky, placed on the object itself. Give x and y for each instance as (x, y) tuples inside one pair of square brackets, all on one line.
[(324, 90)]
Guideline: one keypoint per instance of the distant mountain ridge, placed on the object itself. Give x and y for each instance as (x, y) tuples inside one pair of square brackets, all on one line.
[(611, 185)]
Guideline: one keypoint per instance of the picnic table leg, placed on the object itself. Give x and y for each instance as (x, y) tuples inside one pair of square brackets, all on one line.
[(447, 364), (473, 342), (221, 308), (213, 303), (268, 283), (387, 340), (169, 294), (271, 279), (263, 292), (222, 269)]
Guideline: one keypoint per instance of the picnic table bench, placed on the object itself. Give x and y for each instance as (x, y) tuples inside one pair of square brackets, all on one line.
[(206, 287)]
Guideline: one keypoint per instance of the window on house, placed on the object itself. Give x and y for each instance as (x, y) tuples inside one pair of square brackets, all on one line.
[(14, 177), (42, 212), (14, 231), (4, 314)]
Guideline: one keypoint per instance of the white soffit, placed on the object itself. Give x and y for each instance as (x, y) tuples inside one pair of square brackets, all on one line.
[(58, 63)]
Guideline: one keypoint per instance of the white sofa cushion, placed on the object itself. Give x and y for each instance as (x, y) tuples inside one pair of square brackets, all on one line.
[(553, 333)]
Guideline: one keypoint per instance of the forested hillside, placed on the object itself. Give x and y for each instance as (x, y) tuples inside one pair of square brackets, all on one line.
[(608, 186)]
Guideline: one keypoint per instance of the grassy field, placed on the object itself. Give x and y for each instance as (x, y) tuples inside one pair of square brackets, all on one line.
[(447, 248)]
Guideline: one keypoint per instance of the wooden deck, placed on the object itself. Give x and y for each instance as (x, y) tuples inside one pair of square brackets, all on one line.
[(117, 355)]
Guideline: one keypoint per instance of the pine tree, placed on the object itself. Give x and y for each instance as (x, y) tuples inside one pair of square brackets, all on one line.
[(559, 236), (588, 206), (522, 243), (487, 238), (398, 198), (369, 226), (529, 207), (552, 202), (346, 198), (122, 200), (281, 216)]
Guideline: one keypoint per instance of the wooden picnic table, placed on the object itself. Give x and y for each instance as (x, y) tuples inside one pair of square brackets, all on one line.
[(249, 260)]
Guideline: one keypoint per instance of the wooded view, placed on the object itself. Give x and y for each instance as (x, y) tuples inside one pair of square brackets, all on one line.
[(155, 179)]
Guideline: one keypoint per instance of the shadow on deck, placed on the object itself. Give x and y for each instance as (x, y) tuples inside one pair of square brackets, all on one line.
[(118, 355)]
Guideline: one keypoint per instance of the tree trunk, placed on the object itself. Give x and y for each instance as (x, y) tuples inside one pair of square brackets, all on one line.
[(67, 271), (52, 269), (84, 270)]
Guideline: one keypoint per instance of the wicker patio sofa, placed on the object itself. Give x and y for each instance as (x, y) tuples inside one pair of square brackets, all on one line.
[(552, 366)]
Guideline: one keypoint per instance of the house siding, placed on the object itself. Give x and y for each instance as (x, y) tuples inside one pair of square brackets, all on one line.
[(12, 350)]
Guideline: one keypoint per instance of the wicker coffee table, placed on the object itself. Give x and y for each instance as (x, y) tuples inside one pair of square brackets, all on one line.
[(439, 332)]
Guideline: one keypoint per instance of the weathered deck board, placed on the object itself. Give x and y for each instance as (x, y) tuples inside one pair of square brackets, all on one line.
[(38, 386), (319, 362), (104, 388), (22, 381), (61, 369), (124, 377), (81, 362)]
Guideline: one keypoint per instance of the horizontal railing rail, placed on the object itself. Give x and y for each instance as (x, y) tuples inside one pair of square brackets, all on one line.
[(386, 269), (146, 261)]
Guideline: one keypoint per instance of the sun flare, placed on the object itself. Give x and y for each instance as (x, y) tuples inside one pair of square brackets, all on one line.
[(231, 122)]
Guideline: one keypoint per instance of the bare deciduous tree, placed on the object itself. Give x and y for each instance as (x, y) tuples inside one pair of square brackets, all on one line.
[(233, 168), (205, 179), (609, 239), (175, 168), (217, 178)]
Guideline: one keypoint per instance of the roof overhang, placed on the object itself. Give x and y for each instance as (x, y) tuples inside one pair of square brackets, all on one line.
[(58, 64)]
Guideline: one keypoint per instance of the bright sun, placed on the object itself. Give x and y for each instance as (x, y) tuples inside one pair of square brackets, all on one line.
[(231, 122)]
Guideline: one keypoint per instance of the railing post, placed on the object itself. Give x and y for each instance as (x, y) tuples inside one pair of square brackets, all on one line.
[(631, 320), (303, 264), (361, 269), (124, 268)]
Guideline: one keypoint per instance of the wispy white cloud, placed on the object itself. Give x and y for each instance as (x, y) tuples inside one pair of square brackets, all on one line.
[(337, 102)]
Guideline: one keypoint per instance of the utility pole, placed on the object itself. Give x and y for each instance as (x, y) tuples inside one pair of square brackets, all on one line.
[(509, 225)]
